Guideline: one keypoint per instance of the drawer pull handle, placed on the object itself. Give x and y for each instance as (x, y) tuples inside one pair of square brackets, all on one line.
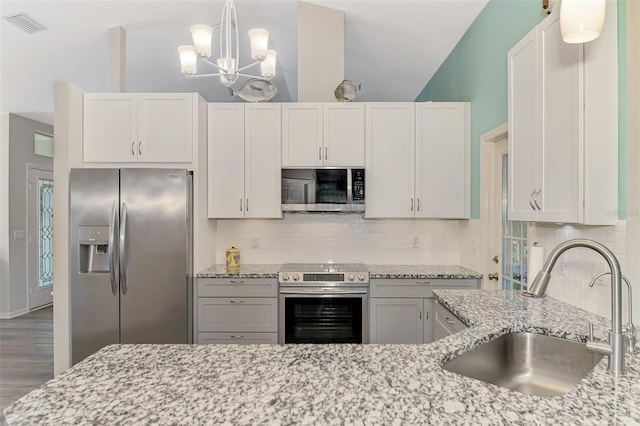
[(237, 282), (236, 336), (236, 301), (423, 282), (449, 321)]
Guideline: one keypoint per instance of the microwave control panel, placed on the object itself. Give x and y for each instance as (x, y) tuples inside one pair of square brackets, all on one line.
[(358, 184)]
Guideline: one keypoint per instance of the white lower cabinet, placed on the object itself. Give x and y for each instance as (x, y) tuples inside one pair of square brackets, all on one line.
[(236, 311), (445, 322), (401, 310)]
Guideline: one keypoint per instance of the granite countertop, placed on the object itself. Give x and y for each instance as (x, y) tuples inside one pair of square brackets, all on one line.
[(375, 272), (334, 384), (245, 271), (420, 272)]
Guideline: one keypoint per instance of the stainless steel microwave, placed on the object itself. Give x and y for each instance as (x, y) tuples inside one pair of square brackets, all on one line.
[(323, 190)]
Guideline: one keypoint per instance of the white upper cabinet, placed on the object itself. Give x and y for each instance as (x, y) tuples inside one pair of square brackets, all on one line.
[(148, 127), (244, 161), (417, 160), (322, 134), (343, 134), (390, 159), (552, 91), (262, 161), (442, 160)]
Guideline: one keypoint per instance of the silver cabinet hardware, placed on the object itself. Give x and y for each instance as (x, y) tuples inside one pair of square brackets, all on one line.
[(236, 302), (140, 148), (426, 315), (236, 281), (418, 201), (326, 153), (535, 199), (240, 204), (449, 321), (320, 153), (411, 208), (423, 282), (236, 336), (246, 205), (133, 145), (419, 314), (531, 200)]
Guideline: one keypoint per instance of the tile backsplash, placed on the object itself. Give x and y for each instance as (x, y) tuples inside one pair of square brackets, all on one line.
[(340, 238), (572, 274)]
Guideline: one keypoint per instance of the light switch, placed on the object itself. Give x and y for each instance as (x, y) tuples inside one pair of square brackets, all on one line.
[(18, 234)]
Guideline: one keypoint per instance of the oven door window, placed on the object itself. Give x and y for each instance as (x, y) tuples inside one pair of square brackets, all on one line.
[(323, 319)]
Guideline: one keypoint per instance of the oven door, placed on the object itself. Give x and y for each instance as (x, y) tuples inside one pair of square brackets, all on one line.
[(326, 315)]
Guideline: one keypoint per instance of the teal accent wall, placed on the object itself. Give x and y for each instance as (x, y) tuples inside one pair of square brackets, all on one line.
[(476, 72)]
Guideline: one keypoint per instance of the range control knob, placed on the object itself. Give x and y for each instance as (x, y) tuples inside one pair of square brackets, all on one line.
[(361, 277), (351, 277), (296, 277), (285, 276)]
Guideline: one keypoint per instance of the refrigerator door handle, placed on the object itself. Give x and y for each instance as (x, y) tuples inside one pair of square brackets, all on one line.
[(112, 250), (122, 250)]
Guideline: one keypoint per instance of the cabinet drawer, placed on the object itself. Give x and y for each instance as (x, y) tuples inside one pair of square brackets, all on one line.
[(446, 323), (238, 338), (237, 287), (421, 288), (238, 314)]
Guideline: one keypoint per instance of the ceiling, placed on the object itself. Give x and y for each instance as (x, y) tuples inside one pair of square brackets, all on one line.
[(392, 48)]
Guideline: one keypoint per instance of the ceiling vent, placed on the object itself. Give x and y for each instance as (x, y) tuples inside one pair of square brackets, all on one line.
[(25, 23)]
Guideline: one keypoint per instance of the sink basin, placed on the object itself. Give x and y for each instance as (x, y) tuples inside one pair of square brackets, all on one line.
[(529, 363)]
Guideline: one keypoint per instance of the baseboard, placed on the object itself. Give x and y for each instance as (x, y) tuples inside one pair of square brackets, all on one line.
[(9, 315)]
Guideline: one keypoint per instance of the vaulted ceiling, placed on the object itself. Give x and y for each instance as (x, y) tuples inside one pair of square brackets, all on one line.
[(392, 47)]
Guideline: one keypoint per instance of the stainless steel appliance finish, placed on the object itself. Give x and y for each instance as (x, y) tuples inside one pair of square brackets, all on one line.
[(135, 285), (323, 303), (323, 190), (529, 363)]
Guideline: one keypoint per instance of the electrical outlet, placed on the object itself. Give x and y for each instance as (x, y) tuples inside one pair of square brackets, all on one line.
[(416, 242), (255, 242)]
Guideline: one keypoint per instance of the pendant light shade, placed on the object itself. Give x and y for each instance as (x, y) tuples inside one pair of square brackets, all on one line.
[(581, 20), (268, 66), (259, 39), (201, 35), (188, 60)]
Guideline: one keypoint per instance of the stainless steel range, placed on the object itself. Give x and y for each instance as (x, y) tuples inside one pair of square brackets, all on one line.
[(324, 303)]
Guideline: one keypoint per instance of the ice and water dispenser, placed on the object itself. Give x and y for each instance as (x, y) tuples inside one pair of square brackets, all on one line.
[(94, 248)]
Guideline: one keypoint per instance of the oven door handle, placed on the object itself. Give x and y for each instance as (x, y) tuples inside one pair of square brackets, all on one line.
[(323, 292)]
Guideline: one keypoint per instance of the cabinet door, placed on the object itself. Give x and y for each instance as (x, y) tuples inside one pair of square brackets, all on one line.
[(561, 188), (427, 315), (442, 160), (110, 127), (302, 135), (165, 128), (390, 159), (343, 135), (226, 161), (524, 128), (396, 320), (262, 158)]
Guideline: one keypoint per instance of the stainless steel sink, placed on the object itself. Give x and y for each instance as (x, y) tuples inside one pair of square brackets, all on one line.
[(529, 363)]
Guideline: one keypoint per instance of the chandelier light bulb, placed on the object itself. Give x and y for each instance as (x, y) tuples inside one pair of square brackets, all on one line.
[(259, 39), (188, 60), (581, 20), (201, 35)]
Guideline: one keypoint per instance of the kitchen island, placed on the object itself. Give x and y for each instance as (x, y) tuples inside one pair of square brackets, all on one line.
[(329, 384)]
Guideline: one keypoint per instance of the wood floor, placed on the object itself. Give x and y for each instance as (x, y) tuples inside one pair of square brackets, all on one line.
[(26, 354)]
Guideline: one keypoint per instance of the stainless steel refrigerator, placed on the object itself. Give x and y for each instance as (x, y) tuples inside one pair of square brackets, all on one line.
[(130, 257)]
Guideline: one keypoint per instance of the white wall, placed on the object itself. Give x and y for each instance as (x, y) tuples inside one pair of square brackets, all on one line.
[(320, 52), (20, 141), (4, 214), (340, 238)]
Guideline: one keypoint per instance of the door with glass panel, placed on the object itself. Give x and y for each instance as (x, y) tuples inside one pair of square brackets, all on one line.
[(40, 231), (510, 235)]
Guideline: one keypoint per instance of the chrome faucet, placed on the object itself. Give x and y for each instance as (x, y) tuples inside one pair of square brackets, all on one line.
[(630, 329), (615, 348)]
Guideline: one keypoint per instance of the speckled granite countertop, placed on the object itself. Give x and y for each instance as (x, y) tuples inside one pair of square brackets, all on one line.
[(375, 271), (246, 271), (333, 384), (420, 272)]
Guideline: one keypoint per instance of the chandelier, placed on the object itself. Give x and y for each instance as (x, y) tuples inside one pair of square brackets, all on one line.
[(227, 65)]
